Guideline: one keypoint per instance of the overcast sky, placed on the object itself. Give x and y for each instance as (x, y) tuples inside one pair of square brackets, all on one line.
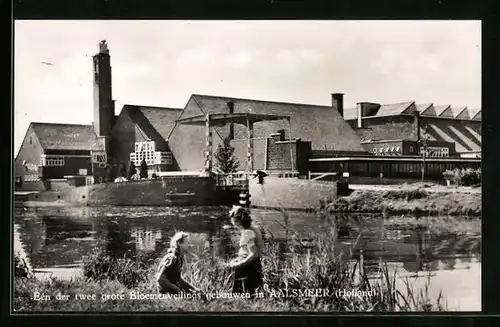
[(161, 63)]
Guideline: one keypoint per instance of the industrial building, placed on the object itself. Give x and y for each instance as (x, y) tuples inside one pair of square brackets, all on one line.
[(372, 140)]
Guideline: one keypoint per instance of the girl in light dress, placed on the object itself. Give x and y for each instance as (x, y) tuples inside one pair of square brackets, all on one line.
[(247, 265)]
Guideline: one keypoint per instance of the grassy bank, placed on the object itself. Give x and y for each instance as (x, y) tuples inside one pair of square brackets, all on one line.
[(410, 200), (320, 268)]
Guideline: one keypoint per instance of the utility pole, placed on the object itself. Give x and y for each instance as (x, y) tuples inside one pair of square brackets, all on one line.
[(423, 143)]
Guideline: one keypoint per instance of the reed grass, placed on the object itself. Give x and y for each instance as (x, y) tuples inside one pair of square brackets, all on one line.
[(285, 268)]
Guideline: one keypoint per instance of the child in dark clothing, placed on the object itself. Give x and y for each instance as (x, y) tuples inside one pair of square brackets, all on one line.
[(168, 275)]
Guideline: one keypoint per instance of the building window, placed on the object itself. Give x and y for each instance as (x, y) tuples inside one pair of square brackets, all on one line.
[(99, 157), (143, 150), (31, 178), (48, 161), (31, 141), (411, 148)]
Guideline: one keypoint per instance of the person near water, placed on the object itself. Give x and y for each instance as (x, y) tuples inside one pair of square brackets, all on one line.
[(259, 174), (247, 266), (168, 275)]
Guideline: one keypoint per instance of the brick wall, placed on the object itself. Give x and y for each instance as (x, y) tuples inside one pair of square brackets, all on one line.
[(140, 193), (187, 142), (387, 128), (58, 185), (72, 165), (465, 134), (30, 152), (291, 193), (377, 145), (123, 138)]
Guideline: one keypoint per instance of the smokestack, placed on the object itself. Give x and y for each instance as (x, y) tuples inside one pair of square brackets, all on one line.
[(104, 110), (338, 102), (359, 107), (416, 121)]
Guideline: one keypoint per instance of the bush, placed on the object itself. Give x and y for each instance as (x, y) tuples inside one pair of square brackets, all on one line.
[(143, 170), (21, 268), (99, 266), (408, 195), (463, 177), (132, 170)]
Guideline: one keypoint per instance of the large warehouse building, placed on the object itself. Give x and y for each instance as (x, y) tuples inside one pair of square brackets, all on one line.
[(369, 140)]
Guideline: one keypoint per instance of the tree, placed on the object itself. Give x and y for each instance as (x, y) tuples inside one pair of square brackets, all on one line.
[(226, 160), (131, 170), (122, 171), (423, 143), (143, 172)]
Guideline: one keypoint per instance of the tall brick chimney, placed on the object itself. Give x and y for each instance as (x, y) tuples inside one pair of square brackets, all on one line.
[(104, 110), (359, 109), (338, 102)]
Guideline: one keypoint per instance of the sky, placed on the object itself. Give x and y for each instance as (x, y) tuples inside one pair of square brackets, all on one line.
[(161, 63)]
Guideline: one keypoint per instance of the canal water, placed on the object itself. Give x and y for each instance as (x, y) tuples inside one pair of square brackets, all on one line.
[(55, 240)]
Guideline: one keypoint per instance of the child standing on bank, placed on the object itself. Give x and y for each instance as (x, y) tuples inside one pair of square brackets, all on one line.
[(247, 266)]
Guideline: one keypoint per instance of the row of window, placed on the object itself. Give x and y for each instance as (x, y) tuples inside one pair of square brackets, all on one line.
[(362, 168), (31, 178), (388, 149), (144, 146), (99, 157), (152, 158), (47, 161)]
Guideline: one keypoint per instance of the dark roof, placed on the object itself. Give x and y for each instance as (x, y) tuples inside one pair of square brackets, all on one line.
[(395, 109), (221, 119), (443, 111), (475, 114), (459, 112), (66, 136), (319, 124), (426, 109), (154, 119)]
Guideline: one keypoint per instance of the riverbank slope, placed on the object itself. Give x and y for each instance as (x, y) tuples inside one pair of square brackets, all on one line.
[(410, 199)]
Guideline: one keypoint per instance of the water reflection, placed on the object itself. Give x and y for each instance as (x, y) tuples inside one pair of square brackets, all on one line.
[(63, 237)]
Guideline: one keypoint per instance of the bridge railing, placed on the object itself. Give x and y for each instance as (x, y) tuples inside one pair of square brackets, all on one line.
[(233, 179), (314, 176), (242, 178)]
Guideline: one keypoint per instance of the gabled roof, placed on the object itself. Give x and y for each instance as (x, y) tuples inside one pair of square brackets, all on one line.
[(66, 136), (426, 109), (153, 119), (443, 111), (475, 114), (460, 112), (393, 109), (319, 124)]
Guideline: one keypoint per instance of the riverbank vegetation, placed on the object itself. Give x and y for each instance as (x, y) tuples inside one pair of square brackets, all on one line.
[(317, 267), (463, 177), (414, 200)]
